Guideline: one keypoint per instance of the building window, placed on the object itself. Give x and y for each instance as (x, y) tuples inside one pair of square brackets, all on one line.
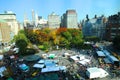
[(113, 28), (112, 37), (113, 31), (113, 34)]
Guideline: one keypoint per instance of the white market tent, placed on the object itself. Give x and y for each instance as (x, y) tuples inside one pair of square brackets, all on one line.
[(74, 58), (53, 68), (41, 61), (84, 62), (16, 50), (77, 58), (38, 65), (66, 54), (95, 72), (82, 57), (12, 57), (87, 60), (1, 57), (2, 69)]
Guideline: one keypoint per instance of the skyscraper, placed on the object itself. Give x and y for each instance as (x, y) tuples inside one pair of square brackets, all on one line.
[(26, 21), (69, 19), (33, 17), (63, 21), (53, 20)]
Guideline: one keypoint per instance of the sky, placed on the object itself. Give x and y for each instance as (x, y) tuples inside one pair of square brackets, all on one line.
[(45, 7)]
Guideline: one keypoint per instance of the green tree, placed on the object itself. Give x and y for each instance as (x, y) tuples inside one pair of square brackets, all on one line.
[(92, 38), (64, 42), (46, 45), (116, 42), (77, 42), (21, 35), (67, 35), (22, 45), (21, 41)]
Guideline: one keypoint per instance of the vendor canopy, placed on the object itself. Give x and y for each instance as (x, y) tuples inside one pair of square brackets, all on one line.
[(100, 54), (32, 58)]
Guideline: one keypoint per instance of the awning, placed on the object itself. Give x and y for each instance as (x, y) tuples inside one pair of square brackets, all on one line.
[(2, 69), (54, 68), (23, 66), (1, 57), (106, 60), (41, 61), (52, 56), (38, 65), (32, 58), (100, 54)]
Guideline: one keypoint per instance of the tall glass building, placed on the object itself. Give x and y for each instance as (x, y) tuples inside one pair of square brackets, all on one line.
[(71, 19)]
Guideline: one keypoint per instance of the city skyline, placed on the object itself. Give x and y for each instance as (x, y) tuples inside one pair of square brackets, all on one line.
[(45, 7)]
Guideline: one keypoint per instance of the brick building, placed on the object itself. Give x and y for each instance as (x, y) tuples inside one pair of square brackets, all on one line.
[(112, 27)]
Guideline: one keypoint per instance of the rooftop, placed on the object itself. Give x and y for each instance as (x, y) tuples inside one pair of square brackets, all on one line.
[(93, 69), (71, 12), (100, 53)]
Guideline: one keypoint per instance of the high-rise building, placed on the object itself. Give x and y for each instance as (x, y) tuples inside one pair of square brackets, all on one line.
[(64, 21), (53, 20), (40, 22), (26, 21), (33, 17), (69, 19), (112, 27), (10, 18), (4, 33)]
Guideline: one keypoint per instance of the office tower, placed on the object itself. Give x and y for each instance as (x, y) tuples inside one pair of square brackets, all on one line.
[(33, 17), (26, 21), (53, 20), (69, 19)]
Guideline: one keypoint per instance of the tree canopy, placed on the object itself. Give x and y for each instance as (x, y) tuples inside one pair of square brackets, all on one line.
[(21, 41), (22, 45), (116, 42), (62, 37)]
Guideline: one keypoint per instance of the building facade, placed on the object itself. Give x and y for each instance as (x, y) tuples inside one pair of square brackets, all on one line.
[(41, 22), (10, 18), (94, 26), (53, 20), (4, 33), (69, 19), (112, 27), (63, 21)]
